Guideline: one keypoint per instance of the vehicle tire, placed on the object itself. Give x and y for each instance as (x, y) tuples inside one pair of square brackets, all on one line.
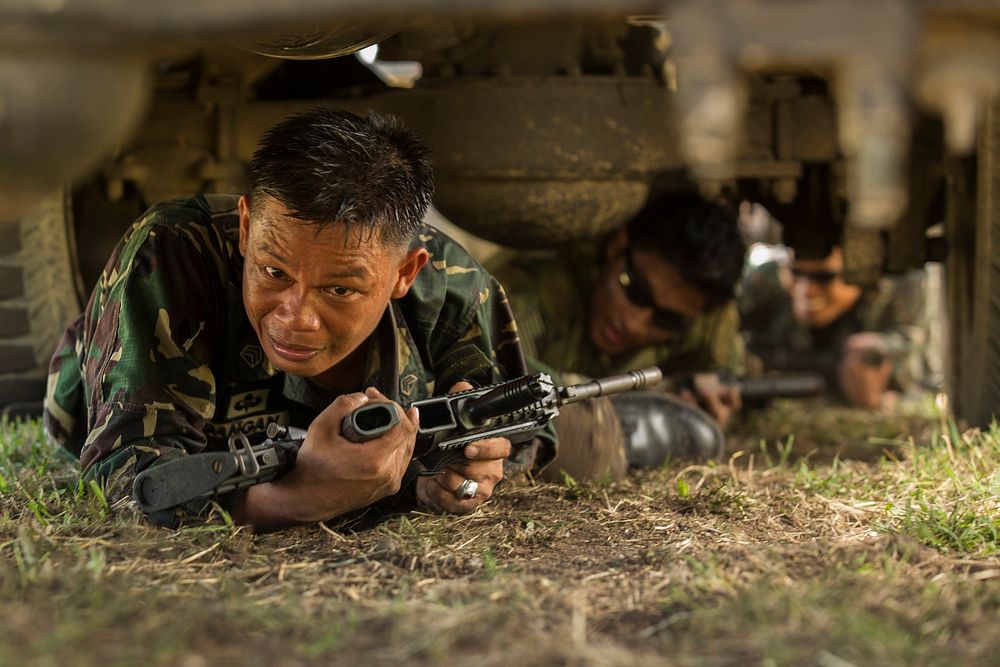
[(39, 296), (972, 279)]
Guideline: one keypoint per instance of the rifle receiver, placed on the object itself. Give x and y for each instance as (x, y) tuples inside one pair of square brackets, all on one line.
[(509, 397)]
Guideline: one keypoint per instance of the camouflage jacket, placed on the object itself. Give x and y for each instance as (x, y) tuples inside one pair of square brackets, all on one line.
[(164, 361), (895, 309), (550, 294)]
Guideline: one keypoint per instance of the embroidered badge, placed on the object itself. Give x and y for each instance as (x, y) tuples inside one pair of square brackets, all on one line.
[(407, 384), (252, 355), (247, 403)]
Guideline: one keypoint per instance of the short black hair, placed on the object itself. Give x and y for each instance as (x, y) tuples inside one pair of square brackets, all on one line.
[(700, 238), (327, 166)]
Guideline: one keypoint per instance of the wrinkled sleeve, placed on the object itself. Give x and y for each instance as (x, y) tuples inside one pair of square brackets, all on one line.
[(712, 343), (471, 332), (489, 351), (152, 326), (548, 319), (904, 327)]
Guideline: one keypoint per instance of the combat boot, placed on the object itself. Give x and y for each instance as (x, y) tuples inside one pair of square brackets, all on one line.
[(657, 426)]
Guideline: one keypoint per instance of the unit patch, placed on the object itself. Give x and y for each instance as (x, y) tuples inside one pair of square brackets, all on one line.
[(252, 355), (407, 384), (247, 403)]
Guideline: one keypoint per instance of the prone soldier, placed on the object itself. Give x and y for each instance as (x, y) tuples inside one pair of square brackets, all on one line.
[(315, 293), (658, 291), (870, 343)]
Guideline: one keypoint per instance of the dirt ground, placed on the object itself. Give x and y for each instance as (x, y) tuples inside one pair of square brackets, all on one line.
[(827, 537)]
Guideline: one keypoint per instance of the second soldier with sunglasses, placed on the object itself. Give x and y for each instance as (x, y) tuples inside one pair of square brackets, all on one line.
[(872, 344), (658, 291)]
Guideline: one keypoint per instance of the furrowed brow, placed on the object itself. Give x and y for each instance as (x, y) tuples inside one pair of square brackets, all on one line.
[(268, 249)]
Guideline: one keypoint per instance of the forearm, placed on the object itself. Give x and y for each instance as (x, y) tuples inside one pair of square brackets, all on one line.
[(289, 502)]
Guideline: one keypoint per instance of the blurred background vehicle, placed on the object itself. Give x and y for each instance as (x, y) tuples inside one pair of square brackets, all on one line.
[(854, 121)]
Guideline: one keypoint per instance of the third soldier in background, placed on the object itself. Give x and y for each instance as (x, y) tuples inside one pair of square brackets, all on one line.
[(871, 343), (658, 291)]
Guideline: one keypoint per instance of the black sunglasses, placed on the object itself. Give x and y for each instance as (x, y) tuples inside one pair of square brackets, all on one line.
[(637, 290), (818, 277)]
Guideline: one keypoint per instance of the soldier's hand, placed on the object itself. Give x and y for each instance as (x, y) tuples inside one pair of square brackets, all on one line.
[(333, 475), (483, 464), (864, 371), (719, 399)]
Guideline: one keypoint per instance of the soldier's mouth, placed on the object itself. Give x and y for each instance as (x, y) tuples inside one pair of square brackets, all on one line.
[(613, 336), (815, 304), (292, 352)]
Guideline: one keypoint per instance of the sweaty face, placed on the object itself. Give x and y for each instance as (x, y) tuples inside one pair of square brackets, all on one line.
[(640, 300), (315, 295), (819, 293)]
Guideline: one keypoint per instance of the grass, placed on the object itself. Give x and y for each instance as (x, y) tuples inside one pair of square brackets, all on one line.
[(826, 537)]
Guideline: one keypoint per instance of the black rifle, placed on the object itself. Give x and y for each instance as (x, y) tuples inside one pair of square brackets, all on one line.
[(516, 410), (758, 391)]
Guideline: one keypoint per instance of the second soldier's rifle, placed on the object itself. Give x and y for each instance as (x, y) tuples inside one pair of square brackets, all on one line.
[(517, 410), (759, 390)]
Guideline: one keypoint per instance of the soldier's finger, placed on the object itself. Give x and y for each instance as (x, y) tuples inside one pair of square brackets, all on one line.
[(348, 402), (461, 385), (737, 401), (485, 450), (687, 396), (451, 481), (374, 393)]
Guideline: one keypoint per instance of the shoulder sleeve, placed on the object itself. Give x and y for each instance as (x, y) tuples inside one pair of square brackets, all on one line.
[(545, 299), (468, 328), (712, 343), (153, 323), (903, 324)]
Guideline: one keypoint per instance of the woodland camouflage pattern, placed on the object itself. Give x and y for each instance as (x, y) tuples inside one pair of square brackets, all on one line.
[(895, 308), (550, 294), (164, 362)]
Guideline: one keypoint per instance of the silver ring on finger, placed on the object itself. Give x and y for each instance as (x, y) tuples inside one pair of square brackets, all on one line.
[(467, 489)]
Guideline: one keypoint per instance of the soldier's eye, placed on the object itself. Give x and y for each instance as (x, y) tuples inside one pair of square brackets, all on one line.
[(341, 291), (273, 272)]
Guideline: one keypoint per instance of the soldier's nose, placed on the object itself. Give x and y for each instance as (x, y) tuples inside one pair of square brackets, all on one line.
[(297, 315), (636, 321)]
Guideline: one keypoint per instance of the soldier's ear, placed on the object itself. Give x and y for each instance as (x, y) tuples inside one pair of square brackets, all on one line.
[(616, 246), (244, 208), (408, 269)]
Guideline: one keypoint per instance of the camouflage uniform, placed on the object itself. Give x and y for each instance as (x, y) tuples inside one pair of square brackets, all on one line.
[(550, 294), (164, 361), (895, 309)]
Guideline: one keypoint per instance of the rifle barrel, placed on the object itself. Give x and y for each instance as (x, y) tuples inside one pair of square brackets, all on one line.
[(642, 378), (781, 386)]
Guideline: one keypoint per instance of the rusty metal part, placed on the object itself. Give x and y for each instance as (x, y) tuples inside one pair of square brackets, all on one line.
[(60, 117), (972, 277), (143, 24), (328, 41), (514, 162), (868, 45), (959, 71), (907, 245), (531, 213), (864, 255)]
